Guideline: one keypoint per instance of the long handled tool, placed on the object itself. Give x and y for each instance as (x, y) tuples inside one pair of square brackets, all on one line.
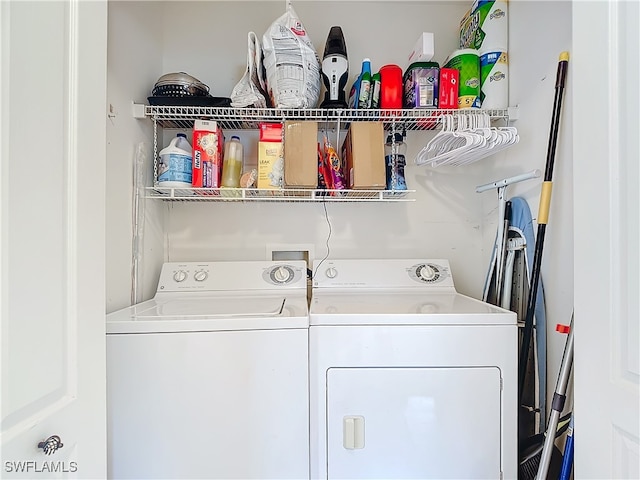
[(543, 217), (557, 406)]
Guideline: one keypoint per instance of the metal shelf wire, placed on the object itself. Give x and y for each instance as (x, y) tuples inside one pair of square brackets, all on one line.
[(183, 117), (280, 195), (250, 118)]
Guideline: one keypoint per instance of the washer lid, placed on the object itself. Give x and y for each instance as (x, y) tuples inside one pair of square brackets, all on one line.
[(192, 312), (380, 308)]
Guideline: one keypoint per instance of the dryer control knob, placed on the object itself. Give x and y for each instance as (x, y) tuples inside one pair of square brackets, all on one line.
[(331, 272), (427, 273), (282, 274), (180, 276), (200, 276)]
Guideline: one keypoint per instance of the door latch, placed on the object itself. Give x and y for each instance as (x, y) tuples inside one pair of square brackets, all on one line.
[(51, 444)]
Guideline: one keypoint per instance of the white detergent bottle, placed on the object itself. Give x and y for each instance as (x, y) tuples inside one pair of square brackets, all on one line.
[(232, 163), (175, 165)]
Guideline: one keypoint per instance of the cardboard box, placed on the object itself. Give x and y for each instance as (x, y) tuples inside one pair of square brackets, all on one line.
[(300, 154), (448, 93), (363, 156), (423, 50), (207, 154), (270, 161)]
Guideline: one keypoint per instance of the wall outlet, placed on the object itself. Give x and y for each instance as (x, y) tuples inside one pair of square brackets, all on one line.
[(289, 251)]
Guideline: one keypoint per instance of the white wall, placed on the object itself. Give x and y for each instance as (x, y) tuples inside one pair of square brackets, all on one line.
[(134, 63), (447, 219), (539, 32), (440, 223)]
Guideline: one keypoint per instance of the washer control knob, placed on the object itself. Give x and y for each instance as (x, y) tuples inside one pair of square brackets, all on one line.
[(427, 273), (180, 276), (200, 276), (282, 274), (331, 272)]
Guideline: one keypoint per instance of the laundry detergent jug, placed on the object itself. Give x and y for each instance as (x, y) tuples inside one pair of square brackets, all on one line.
[(175, 165)]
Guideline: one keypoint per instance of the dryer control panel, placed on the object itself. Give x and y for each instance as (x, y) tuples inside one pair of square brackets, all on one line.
[(429, 272), (383, 273)]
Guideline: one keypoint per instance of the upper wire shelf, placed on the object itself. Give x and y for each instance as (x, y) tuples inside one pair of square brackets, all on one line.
[(276, 195), (183, 117), (250, 118)]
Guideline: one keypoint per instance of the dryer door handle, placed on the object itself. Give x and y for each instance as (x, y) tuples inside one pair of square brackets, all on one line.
[(353, 432)]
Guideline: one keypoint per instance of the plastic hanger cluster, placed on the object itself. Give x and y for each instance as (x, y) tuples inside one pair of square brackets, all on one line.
[(464, 139)]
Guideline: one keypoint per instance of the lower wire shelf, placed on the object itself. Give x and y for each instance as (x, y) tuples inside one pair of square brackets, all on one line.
[(278, 195)]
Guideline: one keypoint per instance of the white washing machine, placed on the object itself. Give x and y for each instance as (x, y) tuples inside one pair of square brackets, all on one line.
[(209, 379), (408, 378)]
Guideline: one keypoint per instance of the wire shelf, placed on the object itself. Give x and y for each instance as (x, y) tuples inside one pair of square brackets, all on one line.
[(250, 118), (229, 118), (280, 195)]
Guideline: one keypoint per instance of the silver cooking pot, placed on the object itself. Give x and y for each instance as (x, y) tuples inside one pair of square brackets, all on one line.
[(179, 84)]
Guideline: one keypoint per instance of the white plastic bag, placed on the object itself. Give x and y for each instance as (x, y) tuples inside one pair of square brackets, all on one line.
[(250, 91), (291, 63)]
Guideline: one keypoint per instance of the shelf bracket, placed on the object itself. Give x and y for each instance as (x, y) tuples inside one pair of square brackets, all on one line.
[(137, 110)]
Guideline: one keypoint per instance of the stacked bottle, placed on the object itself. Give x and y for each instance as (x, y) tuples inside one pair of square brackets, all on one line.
[(394, 157), (364, 96), (375, 90), (232, 163), (359, 96)]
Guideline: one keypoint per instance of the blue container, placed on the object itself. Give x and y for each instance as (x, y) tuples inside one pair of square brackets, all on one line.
[(395, 162)]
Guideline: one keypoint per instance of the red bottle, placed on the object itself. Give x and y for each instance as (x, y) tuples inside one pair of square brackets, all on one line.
[(391, 87)]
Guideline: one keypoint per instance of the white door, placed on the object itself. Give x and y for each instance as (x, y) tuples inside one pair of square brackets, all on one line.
[(52, 144), (607, 217)]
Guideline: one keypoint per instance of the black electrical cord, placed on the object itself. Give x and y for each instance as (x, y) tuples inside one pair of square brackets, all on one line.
[(326, 216)]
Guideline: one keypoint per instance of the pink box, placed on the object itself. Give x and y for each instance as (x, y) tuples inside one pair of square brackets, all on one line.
[(207, 154)]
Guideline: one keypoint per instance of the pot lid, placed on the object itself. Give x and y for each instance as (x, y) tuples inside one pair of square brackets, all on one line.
[(181, 78)]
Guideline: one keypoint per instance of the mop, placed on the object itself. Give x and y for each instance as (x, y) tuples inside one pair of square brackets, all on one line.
[(542, 219), (546, 457)]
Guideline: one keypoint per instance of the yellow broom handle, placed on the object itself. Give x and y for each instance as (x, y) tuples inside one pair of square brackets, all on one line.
[(545, 201)]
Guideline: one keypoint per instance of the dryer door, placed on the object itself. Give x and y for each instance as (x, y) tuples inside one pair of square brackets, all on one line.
[(413, 423)]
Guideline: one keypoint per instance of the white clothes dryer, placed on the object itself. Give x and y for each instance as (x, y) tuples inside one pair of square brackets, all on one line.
[(209, 379), (408, 377)]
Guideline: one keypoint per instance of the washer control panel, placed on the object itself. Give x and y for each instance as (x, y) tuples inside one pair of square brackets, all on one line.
[(232, 276), (283, 274), (186, 275)]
